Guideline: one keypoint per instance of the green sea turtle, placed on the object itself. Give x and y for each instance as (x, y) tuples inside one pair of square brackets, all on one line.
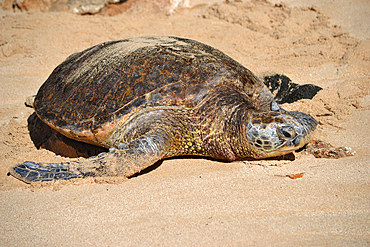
[(151, 98)]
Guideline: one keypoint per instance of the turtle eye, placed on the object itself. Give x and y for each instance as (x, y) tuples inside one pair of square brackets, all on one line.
[(286, 132)]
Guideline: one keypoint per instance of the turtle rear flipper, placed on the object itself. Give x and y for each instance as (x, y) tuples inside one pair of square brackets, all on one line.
[(30, 172)]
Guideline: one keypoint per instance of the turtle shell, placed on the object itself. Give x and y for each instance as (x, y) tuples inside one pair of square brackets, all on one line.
[(95, 91)]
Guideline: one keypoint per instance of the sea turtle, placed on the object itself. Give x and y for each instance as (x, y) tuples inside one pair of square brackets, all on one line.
[(150, 98)]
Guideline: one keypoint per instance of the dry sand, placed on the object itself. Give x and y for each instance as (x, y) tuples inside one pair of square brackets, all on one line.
[(197, 201)]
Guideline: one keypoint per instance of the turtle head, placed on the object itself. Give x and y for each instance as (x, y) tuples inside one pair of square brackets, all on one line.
[(278, 132)]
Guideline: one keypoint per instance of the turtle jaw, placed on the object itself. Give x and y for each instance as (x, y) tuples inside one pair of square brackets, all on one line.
[(284, 147), (299, 142)]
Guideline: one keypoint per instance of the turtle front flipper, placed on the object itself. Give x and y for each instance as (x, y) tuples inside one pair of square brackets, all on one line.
[(126, 160), (29, 172)]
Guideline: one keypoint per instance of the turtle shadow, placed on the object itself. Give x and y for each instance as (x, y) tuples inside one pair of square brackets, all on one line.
[(45, 137), (289, 156)]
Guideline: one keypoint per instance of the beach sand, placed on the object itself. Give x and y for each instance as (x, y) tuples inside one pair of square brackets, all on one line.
[(195, 201)]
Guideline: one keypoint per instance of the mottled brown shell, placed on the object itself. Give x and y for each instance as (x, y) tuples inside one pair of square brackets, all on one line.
[(95, 91)]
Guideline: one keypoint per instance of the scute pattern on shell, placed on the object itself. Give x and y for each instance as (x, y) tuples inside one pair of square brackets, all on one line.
[(94, 91)]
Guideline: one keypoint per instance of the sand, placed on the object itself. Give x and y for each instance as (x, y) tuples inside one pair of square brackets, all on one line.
[(200, 202)]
